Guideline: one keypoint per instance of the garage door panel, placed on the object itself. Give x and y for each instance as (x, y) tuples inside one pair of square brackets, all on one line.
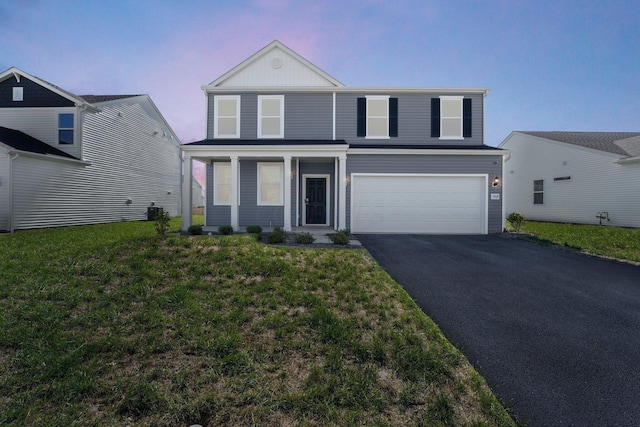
[(418, 204)]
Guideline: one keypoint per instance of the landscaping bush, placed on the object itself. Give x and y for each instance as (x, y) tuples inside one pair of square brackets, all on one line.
[(516, 220), (195, 230), (339, 238), (305, 238), (225, 229), (277, 235), (161, 223), (346, 232), (254, 229)]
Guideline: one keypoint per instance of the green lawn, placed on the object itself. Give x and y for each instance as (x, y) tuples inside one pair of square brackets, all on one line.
[(113, 325), (615, 242)]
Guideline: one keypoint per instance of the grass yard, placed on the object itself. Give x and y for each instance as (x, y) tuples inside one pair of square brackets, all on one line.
[(113, 325), (614, 242)]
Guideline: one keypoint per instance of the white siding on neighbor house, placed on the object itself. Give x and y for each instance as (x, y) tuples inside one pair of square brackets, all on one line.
[(42, 124), (597, 184), (4, 190), (127, 161)]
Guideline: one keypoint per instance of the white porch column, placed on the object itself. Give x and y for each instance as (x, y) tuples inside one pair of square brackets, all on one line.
[(287, 193), (342, 179), (187, 188), (234, 193)]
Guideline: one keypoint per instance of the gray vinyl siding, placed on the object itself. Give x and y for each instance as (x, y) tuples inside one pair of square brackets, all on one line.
[(249, 212), (306, 115), (414, 120), (126, 161), (216, 215), (425, 164), (34, 95), (317, 168)]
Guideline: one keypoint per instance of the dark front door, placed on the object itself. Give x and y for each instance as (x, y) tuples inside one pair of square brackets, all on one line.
[(316, 201)]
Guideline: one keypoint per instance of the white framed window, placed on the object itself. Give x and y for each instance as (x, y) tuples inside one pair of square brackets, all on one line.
[(66, 124), (377, 117), (226, 113), (271, 116), (270, 184), (538, 192), (222, 183), (451, 117), (18, 94)]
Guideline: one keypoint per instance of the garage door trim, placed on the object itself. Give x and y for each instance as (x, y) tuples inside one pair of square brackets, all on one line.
[(484, 177)]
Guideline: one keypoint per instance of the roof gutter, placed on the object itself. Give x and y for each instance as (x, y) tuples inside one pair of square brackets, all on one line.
[(49, 157), (627, 160)]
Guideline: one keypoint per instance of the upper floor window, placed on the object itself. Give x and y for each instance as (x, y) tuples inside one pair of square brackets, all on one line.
[(538, 192), (271, 116), (378, 117), (451, 117), (65, 128), (226, 116), (18, 94)]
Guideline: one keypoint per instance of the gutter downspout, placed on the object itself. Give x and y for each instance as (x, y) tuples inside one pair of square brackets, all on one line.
[(11, 159)]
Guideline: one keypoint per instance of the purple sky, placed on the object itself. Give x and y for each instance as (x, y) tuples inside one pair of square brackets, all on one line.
[(551, 65)]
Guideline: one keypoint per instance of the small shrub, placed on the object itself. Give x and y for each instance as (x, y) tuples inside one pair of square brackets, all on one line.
[(305, 238), (195, 230), (254, 229), (162, 222), (277, 235), (339, 238), (346, 232), (225, 229), (516, 220)]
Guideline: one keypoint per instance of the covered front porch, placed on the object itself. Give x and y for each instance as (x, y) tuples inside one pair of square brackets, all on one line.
[(300, 184)]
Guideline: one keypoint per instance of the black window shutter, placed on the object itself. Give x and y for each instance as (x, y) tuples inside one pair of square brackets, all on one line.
[(393, 117), (466, 117), (435, 117), (362, 117)]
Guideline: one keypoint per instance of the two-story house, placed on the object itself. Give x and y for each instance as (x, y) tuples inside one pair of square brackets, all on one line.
[(289, 145), (70, 160)]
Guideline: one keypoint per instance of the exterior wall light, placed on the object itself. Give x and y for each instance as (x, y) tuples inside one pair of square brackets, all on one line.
[(496, 182)]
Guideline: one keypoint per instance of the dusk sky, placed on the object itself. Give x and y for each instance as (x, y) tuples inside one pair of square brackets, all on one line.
[(550, 65)]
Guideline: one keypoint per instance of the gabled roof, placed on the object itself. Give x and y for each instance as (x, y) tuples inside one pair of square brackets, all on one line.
[(92, 99), (274, 61), (22, 142), (622, 143), (18, 73)]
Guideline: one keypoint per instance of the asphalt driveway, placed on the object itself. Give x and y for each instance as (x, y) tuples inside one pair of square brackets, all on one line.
[(556, 334)]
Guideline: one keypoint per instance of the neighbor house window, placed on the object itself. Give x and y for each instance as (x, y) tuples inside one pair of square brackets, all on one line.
[(65, 128), (226, 112), (271, 116), (270, 184), (451, 117), (18, 94), (222, 183), (538, 192), (377, 117)]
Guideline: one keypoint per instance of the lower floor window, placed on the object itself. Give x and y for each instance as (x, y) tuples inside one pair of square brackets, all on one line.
[(538, 192), (221, 183), (270, 184)]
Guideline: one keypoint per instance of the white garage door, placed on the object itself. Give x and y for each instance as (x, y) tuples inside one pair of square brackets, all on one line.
[(443, 204)]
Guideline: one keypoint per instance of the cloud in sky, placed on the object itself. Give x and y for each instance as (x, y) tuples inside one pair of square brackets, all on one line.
[(550, 65)]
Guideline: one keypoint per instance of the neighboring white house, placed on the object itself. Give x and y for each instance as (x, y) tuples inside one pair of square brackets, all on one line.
[(577, 177), (197, 194), (70, 160)]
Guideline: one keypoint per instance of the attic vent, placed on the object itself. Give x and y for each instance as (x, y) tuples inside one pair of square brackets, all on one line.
[(276, 63), (18, 94), (562, 178)]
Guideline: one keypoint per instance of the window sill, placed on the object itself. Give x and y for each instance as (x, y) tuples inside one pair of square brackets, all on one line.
[(377, 137), (452, 138)]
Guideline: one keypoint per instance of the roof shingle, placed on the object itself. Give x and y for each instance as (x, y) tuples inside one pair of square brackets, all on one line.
[(622, 143)]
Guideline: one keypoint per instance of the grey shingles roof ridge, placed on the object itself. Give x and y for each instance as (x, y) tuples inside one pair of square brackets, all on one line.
[(603, 141), (92, 99), (23, 142)]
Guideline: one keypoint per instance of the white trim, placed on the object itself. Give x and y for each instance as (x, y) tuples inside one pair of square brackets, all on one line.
[(187, 192), (18, 93), (287, 192), (297, 192), (433, 91), (260, 116), (485, 177), (216, 116), (427, 152), (216, 166), (272, 151), (259, 192), (342, 181), (327, 198), (442, 117)]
